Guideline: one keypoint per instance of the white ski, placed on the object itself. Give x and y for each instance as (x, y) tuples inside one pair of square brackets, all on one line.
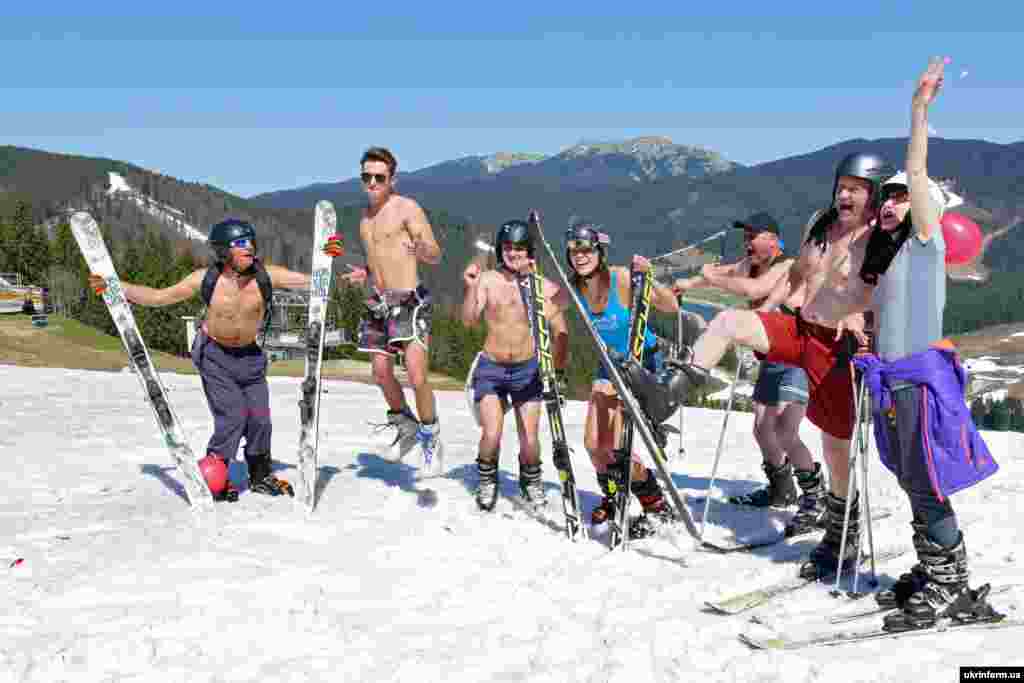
[(324, 225), (90, 242)]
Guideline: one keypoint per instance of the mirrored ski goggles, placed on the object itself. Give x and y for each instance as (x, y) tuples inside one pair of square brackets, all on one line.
[(581, 246), (244, 243)]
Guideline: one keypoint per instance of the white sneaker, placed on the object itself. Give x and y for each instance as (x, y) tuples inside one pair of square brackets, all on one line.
[(406, 427), (432, 450)]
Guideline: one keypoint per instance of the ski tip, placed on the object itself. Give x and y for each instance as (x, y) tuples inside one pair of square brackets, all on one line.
[(761, 643)]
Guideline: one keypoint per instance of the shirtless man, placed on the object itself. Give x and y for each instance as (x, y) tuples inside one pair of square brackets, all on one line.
[(781, 393), (507, 372), (397, 237), (231, 364), (827, 266)]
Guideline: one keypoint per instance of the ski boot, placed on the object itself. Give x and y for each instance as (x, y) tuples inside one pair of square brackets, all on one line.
[(262, 479), (429, 437), (406, 427), (661, 394), (908, 584), (810, 514), (531, 486), (780, 492), (606, 508), (945, 593), (487, 488), (656, 511), (824, 560)]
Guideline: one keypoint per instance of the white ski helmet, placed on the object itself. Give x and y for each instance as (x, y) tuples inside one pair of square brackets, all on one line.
[(942, 198)]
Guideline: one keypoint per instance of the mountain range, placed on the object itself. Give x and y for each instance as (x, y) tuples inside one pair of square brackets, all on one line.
[(650, 193)]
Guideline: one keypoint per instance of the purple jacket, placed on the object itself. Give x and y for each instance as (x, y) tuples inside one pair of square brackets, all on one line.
[(957, 455)]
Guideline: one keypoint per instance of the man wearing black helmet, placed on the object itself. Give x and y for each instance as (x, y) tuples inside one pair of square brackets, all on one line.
[(506, 373), (398, 237), (231, 364), (821, 339)]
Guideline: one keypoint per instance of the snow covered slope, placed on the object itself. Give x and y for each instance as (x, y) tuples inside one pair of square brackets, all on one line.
[(120, 189), (395, 579)]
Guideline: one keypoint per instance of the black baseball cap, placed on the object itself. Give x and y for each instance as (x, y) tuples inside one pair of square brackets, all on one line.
[(759, 222)]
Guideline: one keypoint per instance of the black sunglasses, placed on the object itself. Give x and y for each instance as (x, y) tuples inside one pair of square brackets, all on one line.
[(378, 178)]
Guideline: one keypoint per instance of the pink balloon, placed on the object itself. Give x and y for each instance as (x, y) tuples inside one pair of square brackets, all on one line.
[(963, 238), (215, 472)]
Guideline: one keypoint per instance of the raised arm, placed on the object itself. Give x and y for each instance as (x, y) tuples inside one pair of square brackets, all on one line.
[(748, 287), (425, 247), (287, 279), (925, 213), (475, 298), (182, 291)]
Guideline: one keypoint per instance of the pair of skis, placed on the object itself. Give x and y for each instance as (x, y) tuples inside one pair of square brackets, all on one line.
[(620, 474), (94, 249), (629, 401), (561, 456)]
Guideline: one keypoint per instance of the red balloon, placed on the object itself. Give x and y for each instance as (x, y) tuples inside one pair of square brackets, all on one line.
[(963, 238), (215, 472)]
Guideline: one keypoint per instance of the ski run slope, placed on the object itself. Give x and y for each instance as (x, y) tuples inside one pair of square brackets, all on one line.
[(394, 579)]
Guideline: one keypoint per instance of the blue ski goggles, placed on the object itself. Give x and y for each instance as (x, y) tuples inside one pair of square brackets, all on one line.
[(244, 243)]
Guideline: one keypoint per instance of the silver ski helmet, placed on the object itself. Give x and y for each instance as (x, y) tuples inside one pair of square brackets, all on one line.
[(512, 232), (587, 234), (866, 166)]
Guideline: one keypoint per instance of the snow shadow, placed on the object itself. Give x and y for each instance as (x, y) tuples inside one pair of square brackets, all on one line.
[(324, 475), (162, 474), (372, 466)]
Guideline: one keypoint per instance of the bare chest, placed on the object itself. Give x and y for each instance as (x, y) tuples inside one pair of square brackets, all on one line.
[(237, 298), (506, 300), (383, 230)]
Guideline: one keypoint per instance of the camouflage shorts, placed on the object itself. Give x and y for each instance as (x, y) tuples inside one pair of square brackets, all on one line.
[(394, 318)]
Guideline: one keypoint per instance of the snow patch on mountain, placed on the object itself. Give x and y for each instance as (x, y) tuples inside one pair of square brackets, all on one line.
[(119, 188)]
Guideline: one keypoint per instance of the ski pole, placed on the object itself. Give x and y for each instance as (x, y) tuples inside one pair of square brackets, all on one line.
[(851, 477), (680, 334), (718, 450)]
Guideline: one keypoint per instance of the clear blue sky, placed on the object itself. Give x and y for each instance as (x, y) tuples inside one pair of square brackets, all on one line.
[(253, 98)]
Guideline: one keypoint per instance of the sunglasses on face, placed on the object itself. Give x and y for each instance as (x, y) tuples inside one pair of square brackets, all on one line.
[(517, 246), (379, 178), (243, 243)]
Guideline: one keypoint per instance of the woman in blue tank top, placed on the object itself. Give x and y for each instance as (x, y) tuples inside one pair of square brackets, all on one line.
[(605, 292)]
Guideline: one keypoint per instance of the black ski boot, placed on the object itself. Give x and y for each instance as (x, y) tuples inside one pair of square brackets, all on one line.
[(810, 514), (487, 488), (228, 495), (945, 593), (908, 583), (824, 559), (606, 508), (780, 492), (656, 511), (262, 479), (531, 485), (661, 394)]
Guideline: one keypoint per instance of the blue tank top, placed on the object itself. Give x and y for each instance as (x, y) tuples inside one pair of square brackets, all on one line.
[(612, 324)]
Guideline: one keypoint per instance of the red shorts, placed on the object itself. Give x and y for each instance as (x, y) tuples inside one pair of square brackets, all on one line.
[(814, 348)]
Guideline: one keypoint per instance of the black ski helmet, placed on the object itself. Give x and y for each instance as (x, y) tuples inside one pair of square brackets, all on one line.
[(867, 166), (515, 231), (224, 233), (587, 232)]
